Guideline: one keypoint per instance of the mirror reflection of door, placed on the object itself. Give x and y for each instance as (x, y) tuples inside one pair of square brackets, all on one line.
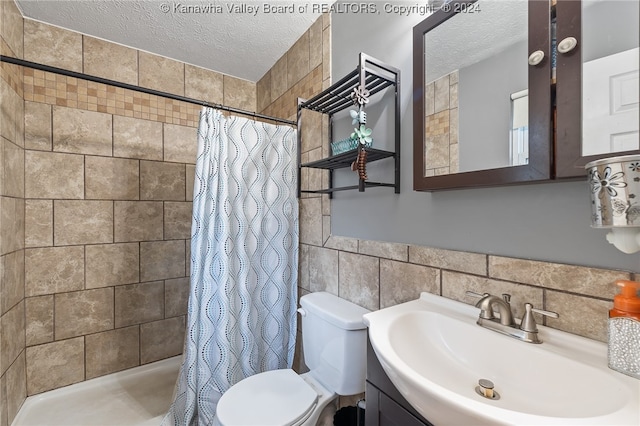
[(610, 76)]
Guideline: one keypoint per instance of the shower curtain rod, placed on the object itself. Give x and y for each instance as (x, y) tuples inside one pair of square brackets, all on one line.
[(82, 76)]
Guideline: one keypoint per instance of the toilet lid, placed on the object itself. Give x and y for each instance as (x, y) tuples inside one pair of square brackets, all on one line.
[(273, 398)]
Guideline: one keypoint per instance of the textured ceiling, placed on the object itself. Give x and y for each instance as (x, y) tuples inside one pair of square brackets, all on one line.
[(244, 43)]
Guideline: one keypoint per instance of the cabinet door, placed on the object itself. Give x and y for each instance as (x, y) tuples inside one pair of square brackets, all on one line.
[(597, 89), (384, 411)]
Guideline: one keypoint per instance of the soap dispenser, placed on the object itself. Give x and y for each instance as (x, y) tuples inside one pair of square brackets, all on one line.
[(624, 330)]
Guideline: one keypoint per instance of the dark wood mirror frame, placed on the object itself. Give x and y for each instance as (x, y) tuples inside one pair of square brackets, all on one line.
[(540, 164)]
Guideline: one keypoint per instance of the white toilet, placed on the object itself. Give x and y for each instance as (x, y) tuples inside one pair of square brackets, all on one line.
[(334, 342)]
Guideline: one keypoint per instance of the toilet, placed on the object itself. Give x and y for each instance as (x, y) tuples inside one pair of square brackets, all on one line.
[(334, 342)]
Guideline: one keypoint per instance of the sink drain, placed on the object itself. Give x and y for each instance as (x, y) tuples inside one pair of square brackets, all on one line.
[(485, 389)]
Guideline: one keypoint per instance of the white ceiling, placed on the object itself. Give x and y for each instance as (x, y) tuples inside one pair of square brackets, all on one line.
[(244, 45)]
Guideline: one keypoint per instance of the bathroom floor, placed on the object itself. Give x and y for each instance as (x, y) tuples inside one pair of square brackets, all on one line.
[(136, 397)]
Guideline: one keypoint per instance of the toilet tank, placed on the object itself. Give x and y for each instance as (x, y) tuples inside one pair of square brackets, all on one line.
[(334, 342)]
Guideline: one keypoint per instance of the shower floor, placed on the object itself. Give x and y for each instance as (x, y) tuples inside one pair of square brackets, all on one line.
[(135, 397)]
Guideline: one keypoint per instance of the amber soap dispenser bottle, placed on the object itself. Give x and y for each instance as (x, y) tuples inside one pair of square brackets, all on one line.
[(624, 330)]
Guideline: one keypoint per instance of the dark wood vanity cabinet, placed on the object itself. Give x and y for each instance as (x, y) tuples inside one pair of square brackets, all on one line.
[(385, 405)]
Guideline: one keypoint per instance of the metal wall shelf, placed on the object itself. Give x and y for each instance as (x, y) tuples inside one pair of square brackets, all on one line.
[(375, 76)]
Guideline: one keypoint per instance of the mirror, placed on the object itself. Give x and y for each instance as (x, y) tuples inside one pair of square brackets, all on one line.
[(481, 113), (476, 87)]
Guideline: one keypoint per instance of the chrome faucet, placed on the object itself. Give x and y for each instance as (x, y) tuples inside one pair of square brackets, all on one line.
[(527, 330)]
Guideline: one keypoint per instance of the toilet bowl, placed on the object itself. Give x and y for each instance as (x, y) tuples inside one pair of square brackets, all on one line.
[(334, 347)]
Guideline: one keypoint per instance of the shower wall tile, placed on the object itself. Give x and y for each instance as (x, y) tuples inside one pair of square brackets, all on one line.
[(310, 221), (112, 264), (323, 269), (38, 226), (53, 46), (139, 303), (16, 386), (161, 339), (160, 73), (190, 177), (315, 44), (298, 60), (3, 386), (239, 93), (53, 270), (177, 220), (111, 178), (112, 351), (135, 138), (401, 282), (201, 83), (12, 220), (180, 144), (12, 337), (82, 132), (12, 163), (187, 245), (53, 175), (138, 220), (39, 319), (12, 27), (176, 297), (54, 365), (162, 260), (162, 181), (82, 222), (279, 83), (263, 92), (83, 312), (98, 60), (359, 279), (304, 267), (11, 280)]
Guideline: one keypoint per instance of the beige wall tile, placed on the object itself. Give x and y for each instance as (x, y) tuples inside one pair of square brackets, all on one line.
[(441, 94), (39, 320), (279, 83), (11, 30), (160, 73), (12, 183), (112, 264), (430, 97), (111, 178), (180, 143), (11, 279), (53, 175), (139, 303), (98, 56), (393, 251), (326, 54), (359, 279), (176, 297), (455, 286), (190, 172), (177, 220), (310, 214), (53, 270), (401, 282), (303, 267), (263, 92), (239, 93), (82, 222), (136, 138), (326, 228), (298, 60), (8, 113), (323, 270), (577, 279), (38, 223), (162, 181), (311, 132), (162, 260), (187, 257), (201, 83), (579, 315), (112, 351), (3, 389), (138, 220), (83, 312), (12, 336), (82, 132), (472, 263), (53, 46), (161, 339), (315, 44), (12, 229), (16, 386), (342, 243), (54, 365)]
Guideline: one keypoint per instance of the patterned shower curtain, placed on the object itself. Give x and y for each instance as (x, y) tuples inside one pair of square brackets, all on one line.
[(244, 262)]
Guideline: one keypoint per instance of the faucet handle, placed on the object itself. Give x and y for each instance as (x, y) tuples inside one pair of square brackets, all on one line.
[(475, 294), (528, 321), (506, 297)]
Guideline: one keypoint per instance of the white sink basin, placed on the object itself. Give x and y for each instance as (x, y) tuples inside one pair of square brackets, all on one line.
[(434, 353)]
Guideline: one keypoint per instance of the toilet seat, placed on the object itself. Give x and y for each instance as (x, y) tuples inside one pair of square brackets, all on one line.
[(273, 398)]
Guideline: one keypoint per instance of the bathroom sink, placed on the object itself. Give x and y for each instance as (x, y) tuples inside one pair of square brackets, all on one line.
[(435, 354)]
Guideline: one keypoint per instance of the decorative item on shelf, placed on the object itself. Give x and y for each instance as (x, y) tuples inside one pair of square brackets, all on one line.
[(615, 199), (345, 145), (360, 95), (358, 117), (361, 164)]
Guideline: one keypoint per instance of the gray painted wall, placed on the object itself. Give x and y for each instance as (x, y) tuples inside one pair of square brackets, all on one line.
[(547, 221)]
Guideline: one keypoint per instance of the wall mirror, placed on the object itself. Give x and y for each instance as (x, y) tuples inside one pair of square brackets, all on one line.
[(481, 112)]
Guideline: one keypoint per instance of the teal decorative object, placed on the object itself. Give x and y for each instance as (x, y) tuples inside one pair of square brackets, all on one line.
[(363, 134), (345, 145)]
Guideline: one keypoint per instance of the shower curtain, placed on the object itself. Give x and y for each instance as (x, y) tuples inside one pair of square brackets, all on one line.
[(244, 262)]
